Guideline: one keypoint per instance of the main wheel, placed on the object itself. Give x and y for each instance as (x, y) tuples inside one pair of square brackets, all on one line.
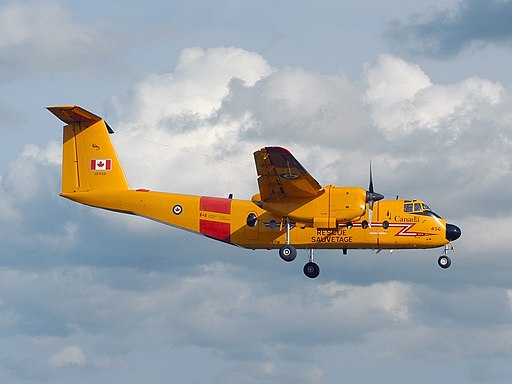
[(288, 252), (444, 261), (311, 270)]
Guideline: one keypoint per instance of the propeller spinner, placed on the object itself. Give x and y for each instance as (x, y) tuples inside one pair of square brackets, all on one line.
[(372, 197)]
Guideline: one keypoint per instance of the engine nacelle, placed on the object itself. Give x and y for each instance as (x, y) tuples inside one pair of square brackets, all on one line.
[(346, 204), (335, 206)]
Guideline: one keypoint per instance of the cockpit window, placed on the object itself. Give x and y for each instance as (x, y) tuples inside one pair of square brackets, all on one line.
[(415, 206)]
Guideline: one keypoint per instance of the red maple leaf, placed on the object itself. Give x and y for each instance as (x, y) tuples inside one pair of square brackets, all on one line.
[(100, 164)]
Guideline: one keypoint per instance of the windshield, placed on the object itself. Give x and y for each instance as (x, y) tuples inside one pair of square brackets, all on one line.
[(416, 206)]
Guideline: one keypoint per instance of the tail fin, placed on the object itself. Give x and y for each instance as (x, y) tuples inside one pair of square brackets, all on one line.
[(89, 160)]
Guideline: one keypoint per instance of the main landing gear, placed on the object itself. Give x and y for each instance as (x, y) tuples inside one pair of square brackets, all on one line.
[(288, 253), (311, 269)]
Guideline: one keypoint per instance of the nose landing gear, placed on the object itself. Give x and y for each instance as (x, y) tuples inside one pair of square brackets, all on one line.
[(444, 261)]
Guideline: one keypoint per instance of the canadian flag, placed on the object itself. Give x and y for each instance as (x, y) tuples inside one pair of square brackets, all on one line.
[(101, 165)]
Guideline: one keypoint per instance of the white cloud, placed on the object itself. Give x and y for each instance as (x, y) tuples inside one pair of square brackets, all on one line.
[(71, 355), (404, 100), (86, 298), (429, 140), (195, 88), (28, 174), (41, 37), (181, 133), (393, 80)]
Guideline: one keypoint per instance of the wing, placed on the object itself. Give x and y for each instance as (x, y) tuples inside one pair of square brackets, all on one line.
[(281, 175)]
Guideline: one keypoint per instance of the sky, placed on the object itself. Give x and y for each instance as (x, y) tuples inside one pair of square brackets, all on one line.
[(422, 89)]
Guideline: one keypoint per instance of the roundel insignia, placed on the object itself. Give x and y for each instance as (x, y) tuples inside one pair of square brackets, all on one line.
[(289, 176), (177, 209)]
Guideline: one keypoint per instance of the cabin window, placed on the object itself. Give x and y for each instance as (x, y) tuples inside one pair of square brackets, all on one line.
[(417, 207), (252, 219), (407, 207)]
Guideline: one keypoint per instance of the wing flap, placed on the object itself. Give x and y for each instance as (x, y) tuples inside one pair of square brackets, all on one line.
[(281, 175)]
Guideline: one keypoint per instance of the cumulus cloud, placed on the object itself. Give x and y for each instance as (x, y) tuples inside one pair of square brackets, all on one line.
[(113, 288), (178, 132), (465, 124), (41, 37), (334, 126), (445, 33), (196, 86), (219, 309), (404, 99)]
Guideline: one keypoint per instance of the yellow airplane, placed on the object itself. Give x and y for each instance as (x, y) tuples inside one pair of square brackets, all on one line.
[(291, 211)]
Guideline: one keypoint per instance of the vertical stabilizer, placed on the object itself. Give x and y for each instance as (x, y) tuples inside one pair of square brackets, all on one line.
[(89, 160)]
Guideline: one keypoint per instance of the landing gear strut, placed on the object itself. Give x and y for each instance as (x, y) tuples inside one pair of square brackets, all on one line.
[(444, 261), (288, 252), (311, 269)]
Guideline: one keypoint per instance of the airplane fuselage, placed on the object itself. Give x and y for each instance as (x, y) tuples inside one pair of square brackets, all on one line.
[(243, 223)]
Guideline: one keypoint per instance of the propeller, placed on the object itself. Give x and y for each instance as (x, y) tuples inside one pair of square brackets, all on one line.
[(372, 197)]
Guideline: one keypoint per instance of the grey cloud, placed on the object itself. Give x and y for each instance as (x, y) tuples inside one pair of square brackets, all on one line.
[(445, 33), (293, 106), (115, 286), (248, 322), (41, 37)]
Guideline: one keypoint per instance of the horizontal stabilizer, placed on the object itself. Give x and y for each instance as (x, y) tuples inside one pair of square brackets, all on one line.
[(74, 114)]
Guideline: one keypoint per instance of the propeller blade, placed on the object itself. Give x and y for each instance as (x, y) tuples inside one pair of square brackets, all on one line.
[(372, 197), (370, 215), (370, 188)]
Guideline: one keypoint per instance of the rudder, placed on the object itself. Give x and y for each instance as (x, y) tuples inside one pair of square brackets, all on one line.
[(89, 160)]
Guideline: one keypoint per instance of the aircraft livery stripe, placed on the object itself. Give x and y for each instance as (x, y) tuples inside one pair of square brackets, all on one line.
[(215, 229), (215, 204)]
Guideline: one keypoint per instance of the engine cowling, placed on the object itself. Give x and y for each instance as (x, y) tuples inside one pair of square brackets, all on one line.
[(335, 206), (346, 204)]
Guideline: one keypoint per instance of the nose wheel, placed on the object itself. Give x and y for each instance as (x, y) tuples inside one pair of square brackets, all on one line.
[(444, 261)]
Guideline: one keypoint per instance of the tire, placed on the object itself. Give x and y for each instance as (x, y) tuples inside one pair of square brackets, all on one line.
[(288, 253), (311, 270), (444, 262)]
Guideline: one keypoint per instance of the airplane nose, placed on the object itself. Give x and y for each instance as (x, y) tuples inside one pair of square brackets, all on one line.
[(452, 232)]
